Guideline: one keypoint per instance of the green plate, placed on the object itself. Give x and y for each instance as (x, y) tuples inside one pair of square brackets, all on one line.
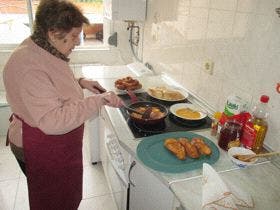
[(152, 153)]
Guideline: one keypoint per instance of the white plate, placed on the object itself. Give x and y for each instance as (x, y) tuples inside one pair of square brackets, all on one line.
[(175, 107), (241, 151), (123, 92), (170, 89)]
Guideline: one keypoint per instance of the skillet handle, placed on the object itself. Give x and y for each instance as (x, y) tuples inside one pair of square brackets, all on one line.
[(132, 96)]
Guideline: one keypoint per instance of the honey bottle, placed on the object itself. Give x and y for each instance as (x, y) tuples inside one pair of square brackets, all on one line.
[(255, 129)]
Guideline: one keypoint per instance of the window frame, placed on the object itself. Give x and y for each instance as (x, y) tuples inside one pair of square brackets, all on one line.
[(104, 46)]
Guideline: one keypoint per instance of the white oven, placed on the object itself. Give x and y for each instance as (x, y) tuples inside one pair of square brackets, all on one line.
[(115, 162), (131, 185)]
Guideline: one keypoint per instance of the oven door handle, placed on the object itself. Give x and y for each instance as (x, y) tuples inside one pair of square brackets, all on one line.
[(129, 172)]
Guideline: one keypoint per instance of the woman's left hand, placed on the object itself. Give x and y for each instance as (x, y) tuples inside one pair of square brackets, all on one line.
[(91, 85)]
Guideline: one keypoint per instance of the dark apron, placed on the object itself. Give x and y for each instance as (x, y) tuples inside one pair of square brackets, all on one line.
[(54, 168)]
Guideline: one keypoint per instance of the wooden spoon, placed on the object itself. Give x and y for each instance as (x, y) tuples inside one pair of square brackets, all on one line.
[(247, 158)]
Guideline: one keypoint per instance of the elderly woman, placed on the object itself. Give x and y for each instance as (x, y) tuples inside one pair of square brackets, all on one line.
[(49, 108)]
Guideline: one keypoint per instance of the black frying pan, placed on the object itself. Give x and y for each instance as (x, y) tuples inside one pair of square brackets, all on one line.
[(147, 104)]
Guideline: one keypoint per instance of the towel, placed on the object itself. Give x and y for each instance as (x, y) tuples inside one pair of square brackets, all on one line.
[(216, 194)]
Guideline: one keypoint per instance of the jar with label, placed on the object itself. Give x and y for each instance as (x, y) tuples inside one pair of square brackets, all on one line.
[(230, 134)]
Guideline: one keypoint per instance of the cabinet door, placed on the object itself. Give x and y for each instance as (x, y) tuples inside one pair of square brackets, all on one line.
[(148, 191)]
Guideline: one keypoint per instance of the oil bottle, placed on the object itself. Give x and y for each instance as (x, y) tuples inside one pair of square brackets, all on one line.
[(255, 129)]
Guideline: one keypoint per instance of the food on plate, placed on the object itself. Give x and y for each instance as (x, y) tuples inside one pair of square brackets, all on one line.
[(203, 148), (190, 149), (127, 83), (156, 113), (183, 148), (166, 94), (175, 147), (188, 113)]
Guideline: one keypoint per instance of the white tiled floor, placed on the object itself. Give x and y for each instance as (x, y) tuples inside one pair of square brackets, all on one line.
[(13, 186)]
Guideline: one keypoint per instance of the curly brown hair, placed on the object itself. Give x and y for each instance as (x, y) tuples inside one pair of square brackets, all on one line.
[(57, 15)]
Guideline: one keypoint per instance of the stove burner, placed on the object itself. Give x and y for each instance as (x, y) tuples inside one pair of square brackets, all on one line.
[(189, 123), (170, 124), (147, 129)]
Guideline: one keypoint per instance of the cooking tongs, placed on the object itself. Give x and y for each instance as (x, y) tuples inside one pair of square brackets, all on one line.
[(146, 114)]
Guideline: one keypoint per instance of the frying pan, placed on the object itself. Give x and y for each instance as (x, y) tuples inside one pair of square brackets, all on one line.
[(147, 104)]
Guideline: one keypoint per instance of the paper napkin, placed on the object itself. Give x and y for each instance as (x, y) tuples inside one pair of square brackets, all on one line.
[(216, 194)]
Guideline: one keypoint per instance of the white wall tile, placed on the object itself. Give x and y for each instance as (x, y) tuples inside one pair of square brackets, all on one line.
[(220, 24), (200, 3), (246, 5), (223, 5), (240, 26), (241, 37)]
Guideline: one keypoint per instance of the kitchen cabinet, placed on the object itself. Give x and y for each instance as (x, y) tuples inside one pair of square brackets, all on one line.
[(148, 192)]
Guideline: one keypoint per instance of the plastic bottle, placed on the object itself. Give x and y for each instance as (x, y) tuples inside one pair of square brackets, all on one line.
[(255, 129)]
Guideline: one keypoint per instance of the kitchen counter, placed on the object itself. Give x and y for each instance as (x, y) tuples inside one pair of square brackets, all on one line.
[(260, 180)]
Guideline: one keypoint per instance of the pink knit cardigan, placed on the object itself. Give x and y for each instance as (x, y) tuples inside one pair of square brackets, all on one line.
[(41, 89)]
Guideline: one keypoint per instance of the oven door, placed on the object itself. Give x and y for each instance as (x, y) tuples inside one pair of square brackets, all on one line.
[(113, 162), (117, 185)]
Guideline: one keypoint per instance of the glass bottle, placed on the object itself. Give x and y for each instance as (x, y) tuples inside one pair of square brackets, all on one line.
[(215, 123), (255, 129)]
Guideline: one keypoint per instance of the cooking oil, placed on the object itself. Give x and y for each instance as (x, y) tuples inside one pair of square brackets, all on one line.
[(255, 129), (260, 126)]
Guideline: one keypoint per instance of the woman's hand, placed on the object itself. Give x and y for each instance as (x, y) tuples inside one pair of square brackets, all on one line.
[(111, 99), (91, 85)]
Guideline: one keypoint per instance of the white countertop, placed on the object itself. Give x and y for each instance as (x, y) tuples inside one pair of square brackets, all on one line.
[(261, 181)]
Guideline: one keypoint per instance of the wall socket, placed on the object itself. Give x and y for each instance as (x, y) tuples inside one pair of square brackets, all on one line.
[(209, 67)]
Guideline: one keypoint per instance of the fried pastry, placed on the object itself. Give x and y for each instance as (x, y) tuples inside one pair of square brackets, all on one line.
[(166, 94), (127, 83), (203, 148), (175, 147), (172, 95), (156, 92), (190, 149)]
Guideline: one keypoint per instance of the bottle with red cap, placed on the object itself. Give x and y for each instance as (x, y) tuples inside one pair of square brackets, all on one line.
[(255, 129)]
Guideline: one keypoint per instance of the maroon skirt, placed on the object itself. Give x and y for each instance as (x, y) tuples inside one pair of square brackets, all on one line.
[(54, 168)]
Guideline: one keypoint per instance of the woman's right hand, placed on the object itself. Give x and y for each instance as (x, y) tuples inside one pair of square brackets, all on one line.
[(111, 99)]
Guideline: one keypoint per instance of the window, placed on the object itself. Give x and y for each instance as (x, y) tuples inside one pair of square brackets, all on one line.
[(16, 17)]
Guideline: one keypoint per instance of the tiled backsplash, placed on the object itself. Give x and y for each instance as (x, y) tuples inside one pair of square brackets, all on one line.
[(241, 38)]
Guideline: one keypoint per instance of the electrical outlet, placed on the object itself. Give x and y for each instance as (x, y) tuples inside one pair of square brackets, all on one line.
[(209, 67)]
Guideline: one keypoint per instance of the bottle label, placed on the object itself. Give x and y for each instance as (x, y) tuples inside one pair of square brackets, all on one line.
[(248, 136), (234, 105)]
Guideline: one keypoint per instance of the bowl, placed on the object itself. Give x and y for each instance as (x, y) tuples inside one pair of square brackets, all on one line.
[(241, 151)]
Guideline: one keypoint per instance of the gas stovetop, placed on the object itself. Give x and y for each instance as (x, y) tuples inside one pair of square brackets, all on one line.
[(170, 124)]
